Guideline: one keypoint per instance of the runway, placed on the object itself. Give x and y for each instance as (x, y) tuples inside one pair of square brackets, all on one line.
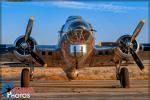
[(88, 90)]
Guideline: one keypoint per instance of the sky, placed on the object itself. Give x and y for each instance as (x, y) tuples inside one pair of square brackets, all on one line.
[(111, 19)]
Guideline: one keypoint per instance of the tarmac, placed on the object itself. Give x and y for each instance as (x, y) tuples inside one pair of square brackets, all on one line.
[(87, 90)]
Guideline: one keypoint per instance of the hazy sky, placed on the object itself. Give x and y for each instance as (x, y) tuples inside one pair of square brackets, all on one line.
[(110, 19)]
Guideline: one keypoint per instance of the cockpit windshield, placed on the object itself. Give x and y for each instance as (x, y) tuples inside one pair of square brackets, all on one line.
[(74, 24), (77, 31), (79, 24)]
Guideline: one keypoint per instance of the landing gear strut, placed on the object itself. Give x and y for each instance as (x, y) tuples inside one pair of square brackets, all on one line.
[(122, 74), (31, 72)]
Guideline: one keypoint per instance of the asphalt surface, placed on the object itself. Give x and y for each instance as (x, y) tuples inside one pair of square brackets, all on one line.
[(88, 90)]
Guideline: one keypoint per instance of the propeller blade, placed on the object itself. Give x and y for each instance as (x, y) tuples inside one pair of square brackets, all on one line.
[(38, 59), (29, 28), (136, 59), (137, 30)]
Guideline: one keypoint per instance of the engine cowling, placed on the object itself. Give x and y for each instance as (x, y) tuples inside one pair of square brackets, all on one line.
[(22, 51), (123, 45)]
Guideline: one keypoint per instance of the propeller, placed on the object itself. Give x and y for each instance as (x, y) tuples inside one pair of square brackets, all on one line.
[(38, 59), (29, 28), (129, 45), (137, 30), (136, 59), (26, 38), (134, 55)]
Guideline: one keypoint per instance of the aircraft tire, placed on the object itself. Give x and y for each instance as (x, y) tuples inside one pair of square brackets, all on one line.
[(124, 78), (25, 78)]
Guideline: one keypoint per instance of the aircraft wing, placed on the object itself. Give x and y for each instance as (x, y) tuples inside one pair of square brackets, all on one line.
[(5, 48), (144, 52), (106, 54), (7, 55), (50, 54), (102, 55)]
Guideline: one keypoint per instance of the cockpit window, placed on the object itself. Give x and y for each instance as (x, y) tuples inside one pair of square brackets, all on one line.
[(73, 24), (76, 31), (79, 24), (78, 35)]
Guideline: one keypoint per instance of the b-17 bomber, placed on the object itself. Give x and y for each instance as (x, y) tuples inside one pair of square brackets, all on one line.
[(76, 49)]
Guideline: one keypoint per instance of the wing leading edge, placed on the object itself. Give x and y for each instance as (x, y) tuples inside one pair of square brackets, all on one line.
[(105, 54)]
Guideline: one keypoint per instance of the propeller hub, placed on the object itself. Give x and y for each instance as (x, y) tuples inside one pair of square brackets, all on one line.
[(24, 45), (130, 45), (24, 48), (125, 44)]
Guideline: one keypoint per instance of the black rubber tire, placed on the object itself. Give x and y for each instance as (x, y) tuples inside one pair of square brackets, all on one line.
[(124, 78), (25, 77)]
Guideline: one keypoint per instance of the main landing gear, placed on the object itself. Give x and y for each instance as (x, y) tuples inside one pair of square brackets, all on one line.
[(123, 76), (27, 76)]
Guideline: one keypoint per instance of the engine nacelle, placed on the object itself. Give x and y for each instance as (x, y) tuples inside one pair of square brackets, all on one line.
[(123, 49), (23, 48)]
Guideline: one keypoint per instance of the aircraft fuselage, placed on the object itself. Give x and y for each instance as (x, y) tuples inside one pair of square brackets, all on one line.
[(76, 40)]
